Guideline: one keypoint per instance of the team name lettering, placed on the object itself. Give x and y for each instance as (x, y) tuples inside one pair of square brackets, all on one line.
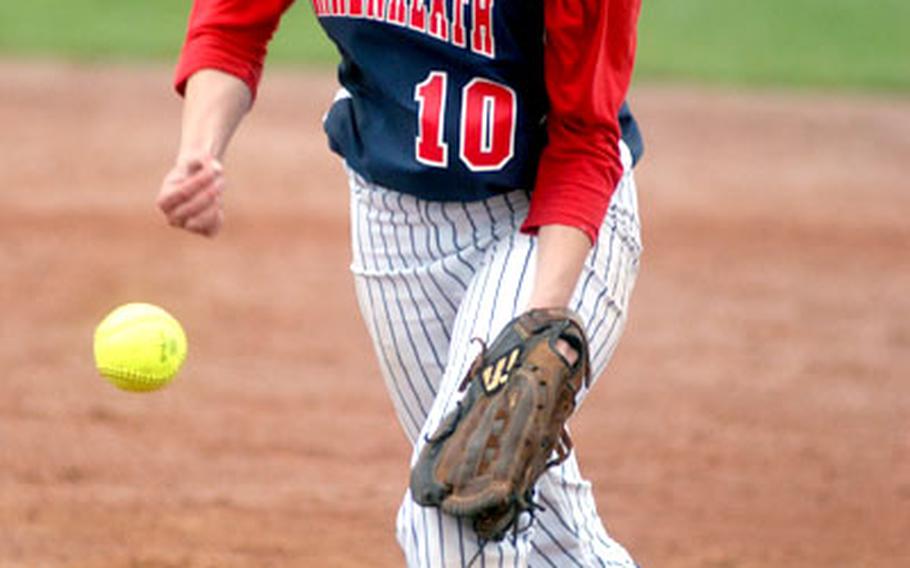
[(396, 13), (375, 9), (430, 17)]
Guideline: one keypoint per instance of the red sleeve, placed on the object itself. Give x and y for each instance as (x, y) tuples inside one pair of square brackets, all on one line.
[(231, 36), (589, 52)]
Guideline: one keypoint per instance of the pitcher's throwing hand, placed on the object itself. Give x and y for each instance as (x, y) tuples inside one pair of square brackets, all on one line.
[(191, 195)]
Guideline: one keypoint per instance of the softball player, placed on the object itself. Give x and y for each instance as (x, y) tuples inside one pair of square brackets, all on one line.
[(490, 155)]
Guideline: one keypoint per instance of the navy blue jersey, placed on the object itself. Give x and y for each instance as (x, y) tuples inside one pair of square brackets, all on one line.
[(448, 99), (448, 108)]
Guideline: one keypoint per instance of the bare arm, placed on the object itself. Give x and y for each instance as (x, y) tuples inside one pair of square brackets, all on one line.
[(190, 194), (561, 254)]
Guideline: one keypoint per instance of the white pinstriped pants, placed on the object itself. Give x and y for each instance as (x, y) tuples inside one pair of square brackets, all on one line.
[(430, 277)]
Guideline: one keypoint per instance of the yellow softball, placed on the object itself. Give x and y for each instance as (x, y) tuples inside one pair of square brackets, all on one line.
[(139, 347)]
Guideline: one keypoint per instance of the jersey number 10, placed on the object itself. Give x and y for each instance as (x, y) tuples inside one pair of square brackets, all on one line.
[(487, 129)]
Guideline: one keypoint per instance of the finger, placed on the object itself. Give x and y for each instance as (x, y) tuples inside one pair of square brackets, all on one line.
[(567, 351), (177, 191), (215, 227), (194, 205), (178, 174), (207, 223)]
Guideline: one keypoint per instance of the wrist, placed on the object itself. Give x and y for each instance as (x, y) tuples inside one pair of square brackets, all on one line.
[(549, 301), (193, 154)]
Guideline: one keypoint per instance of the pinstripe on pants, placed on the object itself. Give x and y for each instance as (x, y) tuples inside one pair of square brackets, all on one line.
[(430, 277)]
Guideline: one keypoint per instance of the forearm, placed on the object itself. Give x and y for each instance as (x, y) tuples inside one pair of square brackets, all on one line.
[(561, 254), (215, 102), (190, 194)]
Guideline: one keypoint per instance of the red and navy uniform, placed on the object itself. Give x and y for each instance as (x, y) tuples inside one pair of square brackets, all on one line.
[(458, 100)]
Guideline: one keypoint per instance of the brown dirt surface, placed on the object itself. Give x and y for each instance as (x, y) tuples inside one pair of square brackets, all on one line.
[(757, 412)]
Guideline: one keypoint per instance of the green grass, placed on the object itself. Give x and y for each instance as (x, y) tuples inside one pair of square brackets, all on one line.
[(130, 29), (92, 29), (859, 44), (822, 43)]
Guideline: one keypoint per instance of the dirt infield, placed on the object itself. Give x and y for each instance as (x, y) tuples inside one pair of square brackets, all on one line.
[(757, 412)]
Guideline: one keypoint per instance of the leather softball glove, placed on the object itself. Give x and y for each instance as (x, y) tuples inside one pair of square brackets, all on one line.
[(484, 459)]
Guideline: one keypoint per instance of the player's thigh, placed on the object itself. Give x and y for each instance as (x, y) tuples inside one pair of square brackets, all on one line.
[(411, 273), (498, 292)]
